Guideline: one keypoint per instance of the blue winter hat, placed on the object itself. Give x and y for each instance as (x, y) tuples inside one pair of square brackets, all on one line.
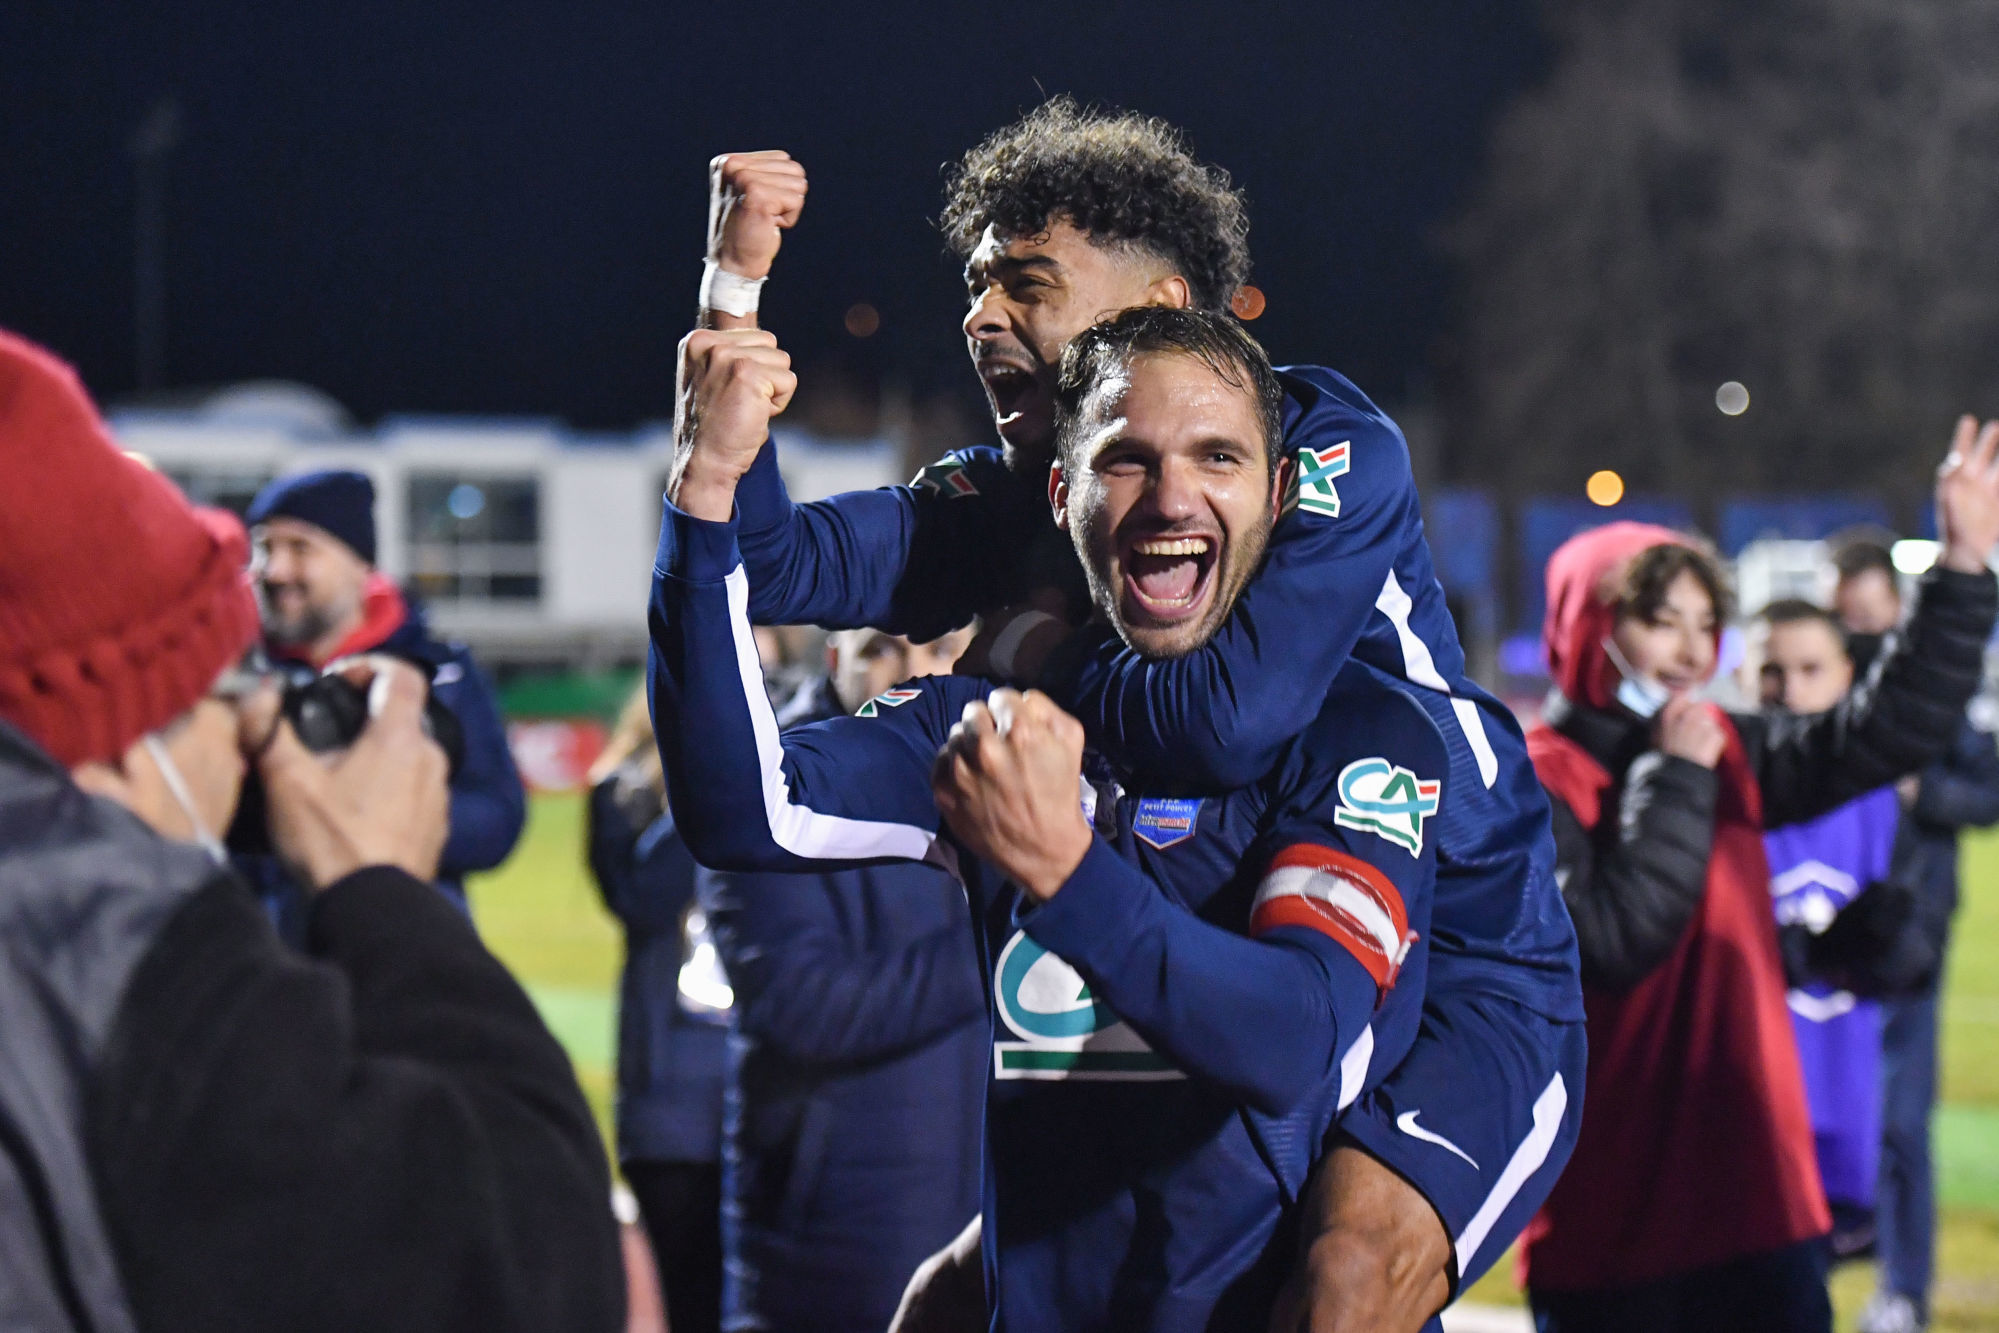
[(342, 503)]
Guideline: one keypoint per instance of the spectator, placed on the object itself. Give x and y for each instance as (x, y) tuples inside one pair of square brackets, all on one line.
[(672, 1023), (1660, 803), (858, 1083), (1838, 924), (323, 599), (1960, 790), (201, 1130)]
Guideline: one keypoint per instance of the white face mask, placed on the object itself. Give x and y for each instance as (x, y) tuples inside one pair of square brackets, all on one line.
[(184, 798), (1639, 694)]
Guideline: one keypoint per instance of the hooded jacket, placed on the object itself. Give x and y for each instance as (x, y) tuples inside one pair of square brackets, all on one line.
[(1694, 1080), (201, 1130)]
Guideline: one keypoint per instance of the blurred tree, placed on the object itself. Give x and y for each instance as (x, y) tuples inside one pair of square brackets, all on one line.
[(1800, 195)]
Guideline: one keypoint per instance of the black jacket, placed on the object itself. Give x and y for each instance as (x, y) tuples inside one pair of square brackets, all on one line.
[(1634, 881), (202, 1130)]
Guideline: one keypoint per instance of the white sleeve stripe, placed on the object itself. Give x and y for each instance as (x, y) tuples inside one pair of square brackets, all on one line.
[(1339, 893), (799, 829), (1353, 1066), (1420, 667), (1526, 1160)]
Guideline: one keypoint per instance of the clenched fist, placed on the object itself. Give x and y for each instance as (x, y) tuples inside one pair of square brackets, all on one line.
[(730, 384), (1968, 497), (752, 199), (1690, 728), (1009, 781)]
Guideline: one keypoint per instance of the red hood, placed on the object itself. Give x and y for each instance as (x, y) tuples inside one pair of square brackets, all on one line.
[(1579, 612)]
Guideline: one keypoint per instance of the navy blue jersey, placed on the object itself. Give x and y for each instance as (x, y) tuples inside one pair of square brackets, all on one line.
[(1174, 1033), (1348, 577)]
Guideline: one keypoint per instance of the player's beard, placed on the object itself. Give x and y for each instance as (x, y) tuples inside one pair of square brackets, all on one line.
[(1236, 563)]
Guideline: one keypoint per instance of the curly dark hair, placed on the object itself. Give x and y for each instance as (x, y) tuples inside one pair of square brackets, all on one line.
[(1218, 342), (1119, 177)]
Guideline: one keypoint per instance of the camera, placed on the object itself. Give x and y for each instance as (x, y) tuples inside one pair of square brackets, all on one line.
[(329, 713)]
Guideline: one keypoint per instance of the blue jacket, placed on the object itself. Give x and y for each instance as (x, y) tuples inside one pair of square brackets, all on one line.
[(671, 1051), (488, 804), (857, 1085), (1175, 1031), (1958, 791)]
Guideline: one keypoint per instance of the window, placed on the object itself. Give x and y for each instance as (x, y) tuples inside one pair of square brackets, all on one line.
[(475, 538)]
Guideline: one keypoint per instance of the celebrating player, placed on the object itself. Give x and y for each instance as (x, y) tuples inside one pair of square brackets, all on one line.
[(1186, 989), (1063, 219)]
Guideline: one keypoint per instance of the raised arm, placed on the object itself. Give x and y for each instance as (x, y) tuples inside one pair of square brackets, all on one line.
[(848, 790), (1265, 1012), (1220, 714), (1910, 707)]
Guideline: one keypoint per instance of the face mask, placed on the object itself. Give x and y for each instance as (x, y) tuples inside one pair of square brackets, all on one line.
[(184, 798), (1637, 694)]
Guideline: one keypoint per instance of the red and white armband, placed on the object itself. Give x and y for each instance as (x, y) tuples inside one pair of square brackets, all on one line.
[(1342, 897)]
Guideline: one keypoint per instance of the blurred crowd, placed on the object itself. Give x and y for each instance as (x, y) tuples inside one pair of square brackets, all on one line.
[(1116, 920)]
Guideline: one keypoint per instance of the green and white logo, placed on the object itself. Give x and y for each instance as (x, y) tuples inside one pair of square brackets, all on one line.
[(1379, 797), (895, 698), (1067, 1033), (1312, 488)]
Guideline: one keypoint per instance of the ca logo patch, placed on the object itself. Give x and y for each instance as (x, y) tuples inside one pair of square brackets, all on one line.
[(947, 478), (887, 699), (1066, 1032), (1312, 486), (1383, 798)]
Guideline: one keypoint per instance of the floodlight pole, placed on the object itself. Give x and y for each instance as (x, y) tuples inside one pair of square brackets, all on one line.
[(152, 145)]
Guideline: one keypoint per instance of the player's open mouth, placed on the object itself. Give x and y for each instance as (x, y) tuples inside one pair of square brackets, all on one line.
[(1167, 577), (1009, 386)]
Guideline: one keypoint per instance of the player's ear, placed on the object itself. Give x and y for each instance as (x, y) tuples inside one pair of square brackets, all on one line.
[(1058, 494), (1171, 290), (1280, 486)]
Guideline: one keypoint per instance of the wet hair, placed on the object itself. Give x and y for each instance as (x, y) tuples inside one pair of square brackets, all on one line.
[(1856, 558), (1105, 350), (1798, 611), (1641, 591), (1120, 178)]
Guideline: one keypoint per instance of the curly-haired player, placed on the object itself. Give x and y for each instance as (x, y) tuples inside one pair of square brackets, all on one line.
[(1068, 217)]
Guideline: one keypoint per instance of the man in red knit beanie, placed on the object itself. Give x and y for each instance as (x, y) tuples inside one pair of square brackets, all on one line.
[(200, 1129)]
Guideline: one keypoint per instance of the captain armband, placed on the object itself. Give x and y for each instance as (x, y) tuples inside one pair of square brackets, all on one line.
[(1341, 897)]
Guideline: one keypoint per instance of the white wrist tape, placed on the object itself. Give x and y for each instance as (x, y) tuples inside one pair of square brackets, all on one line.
[(1007, 643), (729, 293)]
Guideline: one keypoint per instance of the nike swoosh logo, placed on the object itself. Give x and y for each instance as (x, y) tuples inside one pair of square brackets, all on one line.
[(1406, 1122)]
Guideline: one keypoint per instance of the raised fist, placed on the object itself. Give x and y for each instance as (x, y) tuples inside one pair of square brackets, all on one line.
[(752, 198), (731, 383), (1009, 783), (1968, 496)]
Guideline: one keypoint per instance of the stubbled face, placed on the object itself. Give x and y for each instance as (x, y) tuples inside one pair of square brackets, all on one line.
[(1169, 498), (1868, 603), (311, 583), (1805, 667), (864, 662), (1029, 296), (1676, 646)]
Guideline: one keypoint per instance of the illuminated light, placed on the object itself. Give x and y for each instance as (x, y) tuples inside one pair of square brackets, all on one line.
[(1248, 302), (1912, 556), (465, 501), (1732, 398), (1604, 488), (863, 320)]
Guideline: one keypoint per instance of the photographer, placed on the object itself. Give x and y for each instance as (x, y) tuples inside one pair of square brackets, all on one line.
[(322, 599), (199, 1129)]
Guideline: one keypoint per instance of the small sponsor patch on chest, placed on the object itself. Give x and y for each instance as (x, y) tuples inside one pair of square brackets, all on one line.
[(887, 699), (1164, 821)]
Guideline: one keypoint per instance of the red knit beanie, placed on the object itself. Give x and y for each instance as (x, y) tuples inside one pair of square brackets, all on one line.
[(120, 603)]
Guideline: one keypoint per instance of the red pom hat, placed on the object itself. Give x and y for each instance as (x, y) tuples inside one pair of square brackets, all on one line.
[(120, 603)]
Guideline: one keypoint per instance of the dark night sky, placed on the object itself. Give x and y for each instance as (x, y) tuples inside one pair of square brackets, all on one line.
[(499, 208)]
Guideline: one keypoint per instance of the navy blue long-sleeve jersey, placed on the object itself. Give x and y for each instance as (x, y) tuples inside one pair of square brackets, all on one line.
[(1348, 577), (1175, 1031)]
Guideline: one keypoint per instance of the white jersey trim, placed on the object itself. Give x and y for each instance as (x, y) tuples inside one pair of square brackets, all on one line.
[(1419, 666), (1526, 1160), (799, 829)]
